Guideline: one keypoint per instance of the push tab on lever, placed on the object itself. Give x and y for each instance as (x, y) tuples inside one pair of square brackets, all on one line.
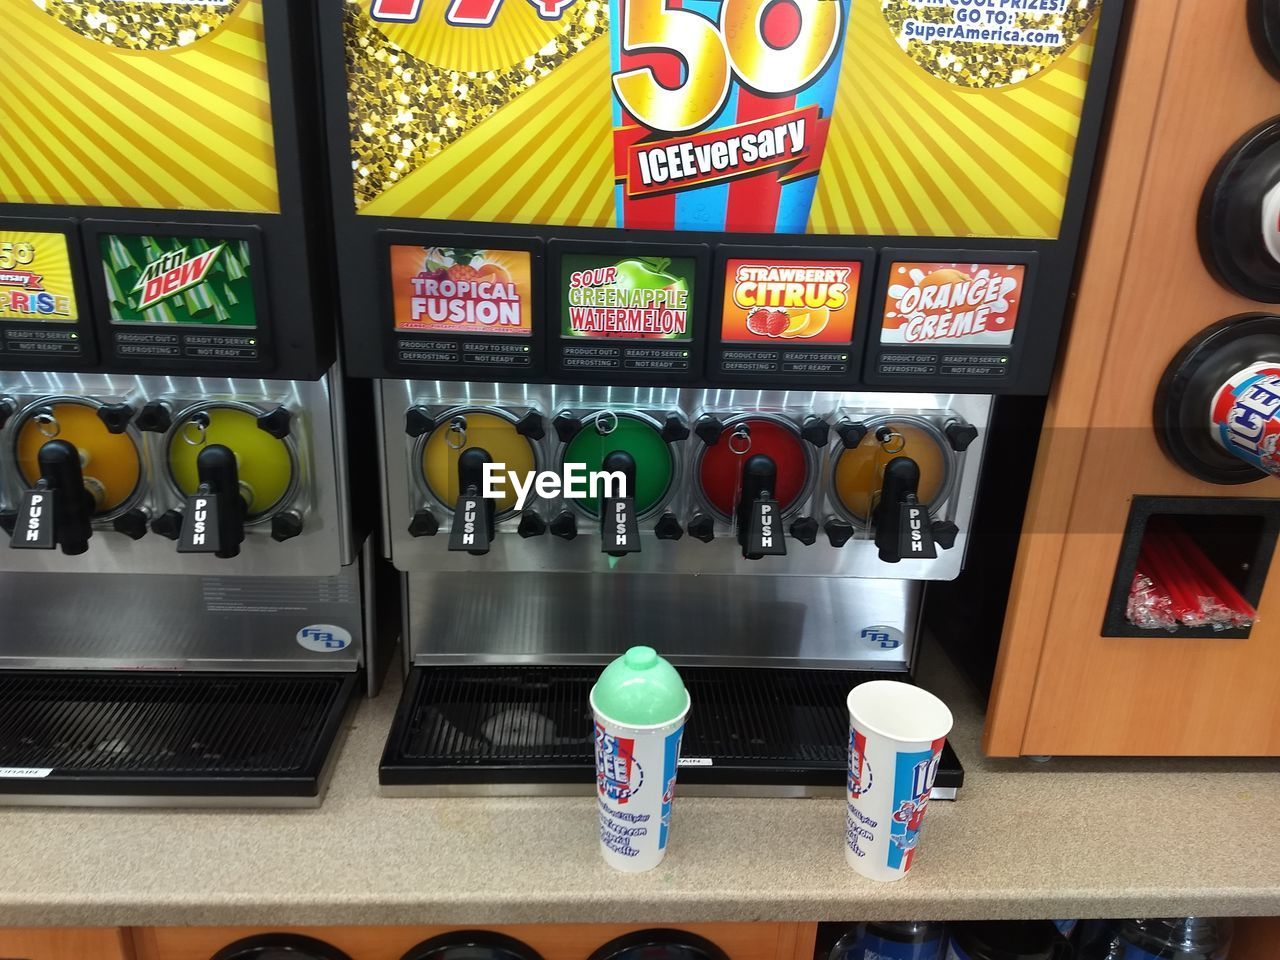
[(58, 512), (213, 518), (916, 532), (619, 528), (34, 527), (759, 519), (473, 516), (903, 526)]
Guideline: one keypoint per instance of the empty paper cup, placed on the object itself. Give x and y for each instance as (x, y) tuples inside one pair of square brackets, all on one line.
[(896, 734)]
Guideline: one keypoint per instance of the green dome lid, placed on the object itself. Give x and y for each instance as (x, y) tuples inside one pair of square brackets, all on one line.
[(640, 689)]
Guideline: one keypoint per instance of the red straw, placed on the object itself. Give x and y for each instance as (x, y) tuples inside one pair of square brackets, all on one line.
[(1211, 575)]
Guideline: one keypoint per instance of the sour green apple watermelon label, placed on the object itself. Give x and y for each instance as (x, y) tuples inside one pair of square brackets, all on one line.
[(627, 298)]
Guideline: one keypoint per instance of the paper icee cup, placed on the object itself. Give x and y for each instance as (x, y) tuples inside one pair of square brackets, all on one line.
[(896, 735), (639, 705)]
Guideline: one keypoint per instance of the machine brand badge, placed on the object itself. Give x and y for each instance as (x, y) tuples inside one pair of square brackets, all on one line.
[(619, 776), (789, 302), (323, 638), (882, 636), (35, 278), (947, 304)]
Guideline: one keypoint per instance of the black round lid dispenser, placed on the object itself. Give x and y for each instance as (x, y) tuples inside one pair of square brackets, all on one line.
[(280, 946), (1239, 219), (659, 945), (472, 945)]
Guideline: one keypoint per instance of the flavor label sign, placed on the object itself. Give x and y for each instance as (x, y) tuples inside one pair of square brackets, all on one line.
[(35, 278), (628, 298), (462, 291), (789, 302), (185, 281), (952, 304), (721, 110)]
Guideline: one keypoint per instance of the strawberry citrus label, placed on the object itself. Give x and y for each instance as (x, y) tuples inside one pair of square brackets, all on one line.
[(944, 304), (462, 290), (721, 110), (789, 302)]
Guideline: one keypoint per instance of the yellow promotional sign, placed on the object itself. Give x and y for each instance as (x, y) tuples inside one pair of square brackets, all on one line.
[(897, 117), (137, 103), (35, 278)]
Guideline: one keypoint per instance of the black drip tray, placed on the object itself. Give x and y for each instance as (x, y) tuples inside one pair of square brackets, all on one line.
[(484, 726), (97, 736)]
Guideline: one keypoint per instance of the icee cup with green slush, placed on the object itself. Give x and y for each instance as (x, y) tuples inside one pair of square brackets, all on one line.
[(639, 704)]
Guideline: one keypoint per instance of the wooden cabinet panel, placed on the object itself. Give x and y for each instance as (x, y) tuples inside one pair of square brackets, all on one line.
[(741, 941), (1256, 939), (67, 943), (1062, 688)]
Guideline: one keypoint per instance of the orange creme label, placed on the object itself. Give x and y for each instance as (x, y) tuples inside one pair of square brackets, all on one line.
[(462, 291), (790, 302), (952, 303)]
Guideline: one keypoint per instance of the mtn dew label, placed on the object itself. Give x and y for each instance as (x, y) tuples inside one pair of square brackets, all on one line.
[(187, 281)]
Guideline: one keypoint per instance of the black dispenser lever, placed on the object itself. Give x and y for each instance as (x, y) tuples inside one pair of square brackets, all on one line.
[(619, 528), (903, 527), (473, 516), (58, 511), (759, 520), (213, 518)]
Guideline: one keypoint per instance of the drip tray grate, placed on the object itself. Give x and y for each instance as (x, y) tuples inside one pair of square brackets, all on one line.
[(102, 735), (485, 726)]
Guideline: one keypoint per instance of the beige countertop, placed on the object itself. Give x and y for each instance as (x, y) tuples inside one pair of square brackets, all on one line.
[(1068, 838)]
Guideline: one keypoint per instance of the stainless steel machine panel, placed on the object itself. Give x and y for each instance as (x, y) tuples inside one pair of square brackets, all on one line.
[(316, 490), (725, 620), (511, 553), (108, 621)]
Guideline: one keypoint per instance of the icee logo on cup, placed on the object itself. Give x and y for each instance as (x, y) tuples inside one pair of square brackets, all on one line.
[(859, 768), (913, 780), (619, 776), (324, 638)]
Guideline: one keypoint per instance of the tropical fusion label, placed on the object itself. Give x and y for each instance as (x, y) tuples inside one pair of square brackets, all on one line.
[(891, 117), (946, 304), (789, 302), (462, 290), (190, 281), (626, 298), (35, 278)]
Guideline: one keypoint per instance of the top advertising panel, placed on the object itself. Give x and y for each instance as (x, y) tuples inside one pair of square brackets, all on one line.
[(160, 104), (942, 118)]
